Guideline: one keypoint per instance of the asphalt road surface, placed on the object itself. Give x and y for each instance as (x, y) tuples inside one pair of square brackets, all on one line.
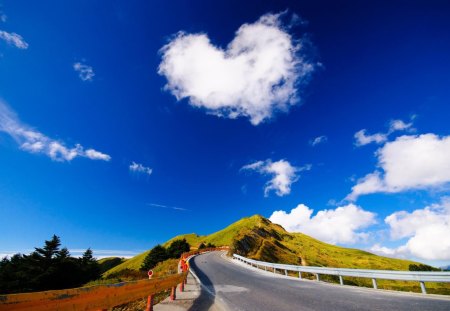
[(236, 287)]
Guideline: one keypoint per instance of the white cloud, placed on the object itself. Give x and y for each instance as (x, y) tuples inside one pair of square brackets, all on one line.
[(3, 17), (399, 125), (104, 253), (282, 172), (258, 74), (427, 232), (13, 38), (167, 207), (340, 225), (97, 155), (361, 138), (98, 253), (35, 142), (399, 252), (85, 72), (408, 162), (318, 140), (139, 168)]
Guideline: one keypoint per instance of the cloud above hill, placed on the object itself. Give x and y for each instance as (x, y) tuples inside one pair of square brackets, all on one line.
[(282, 172), (426, 232), (409, 162), (259, 73), (340, 225)]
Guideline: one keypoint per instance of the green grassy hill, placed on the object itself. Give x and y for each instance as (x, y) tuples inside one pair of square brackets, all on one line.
[(134, 263), (258, 238), (110, 262)]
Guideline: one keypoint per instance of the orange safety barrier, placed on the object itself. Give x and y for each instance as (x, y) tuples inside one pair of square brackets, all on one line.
[(101, 297), (91, 298)]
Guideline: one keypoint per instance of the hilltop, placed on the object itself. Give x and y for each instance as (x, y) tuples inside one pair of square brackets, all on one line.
[(258, 238)]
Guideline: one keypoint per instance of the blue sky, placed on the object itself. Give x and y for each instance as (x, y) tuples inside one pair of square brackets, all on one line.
[(124, 123)]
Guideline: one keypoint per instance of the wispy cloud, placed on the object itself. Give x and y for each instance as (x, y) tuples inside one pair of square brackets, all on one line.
[(85, 72), (261, 71), (13, 38), (98, 253), (282, 172), (103, 253), (318, 140), (362, 138), (139, 168), (3, 17), (167, 207), (33, 141)]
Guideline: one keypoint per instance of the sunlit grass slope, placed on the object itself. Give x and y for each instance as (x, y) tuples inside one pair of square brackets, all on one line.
[(258, 238), (134, 263)]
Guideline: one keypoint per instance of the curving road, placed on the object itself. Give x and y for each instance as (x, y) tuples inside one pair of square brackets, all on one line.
[(237, 287)]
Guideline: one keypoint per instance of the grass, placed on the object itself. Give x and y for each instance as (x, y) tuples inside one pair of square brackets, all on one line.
[(109, 263), (258, 238), (133, 263)]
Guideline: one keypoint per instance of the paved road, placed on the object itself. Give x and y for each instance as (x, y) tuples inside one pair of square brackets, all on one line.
[(237, 287)]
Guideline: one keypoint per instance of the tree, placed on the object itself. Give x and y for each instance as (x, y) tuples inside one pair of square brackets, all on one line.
[(177, 248), (89, 266), (48, 267), (422, 267), (157, 254), (50, 248)]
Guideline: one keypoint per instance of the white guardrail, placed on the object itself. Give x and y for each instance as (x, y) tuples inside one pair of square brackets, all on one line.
[(417, 276)]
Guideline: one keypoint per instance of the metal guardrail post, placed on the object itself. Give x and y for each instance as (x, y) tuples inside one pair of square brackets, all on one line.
[(285, 272), (374, 283), (412, 276), (423, 288)]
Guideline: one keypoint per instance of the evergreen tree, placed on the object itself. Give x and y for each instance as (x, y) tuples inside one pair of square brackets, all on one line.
[(47, 268), (177, 248), (89, 266), (157, 254)]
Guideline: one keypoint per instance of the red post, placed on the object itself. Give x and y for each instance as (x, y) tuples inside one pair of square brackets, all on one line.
[(149, 303), (173, 293), (182, 286)]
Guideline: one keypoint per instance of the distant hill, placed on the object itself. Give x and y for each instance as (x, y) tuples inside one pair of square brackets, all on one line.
[(258, 238), (109, 263)]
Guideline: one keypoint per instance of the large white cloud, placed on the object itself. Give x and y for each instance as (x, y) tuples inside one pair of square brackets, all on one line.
[(408, 162), (340, 225), (256, 75), (34, 141), (427, 232), (282, 172)]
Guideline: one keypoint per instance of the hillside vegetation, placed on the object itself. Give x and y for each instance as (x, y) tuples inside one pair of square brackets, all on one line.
[(258, 238)]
